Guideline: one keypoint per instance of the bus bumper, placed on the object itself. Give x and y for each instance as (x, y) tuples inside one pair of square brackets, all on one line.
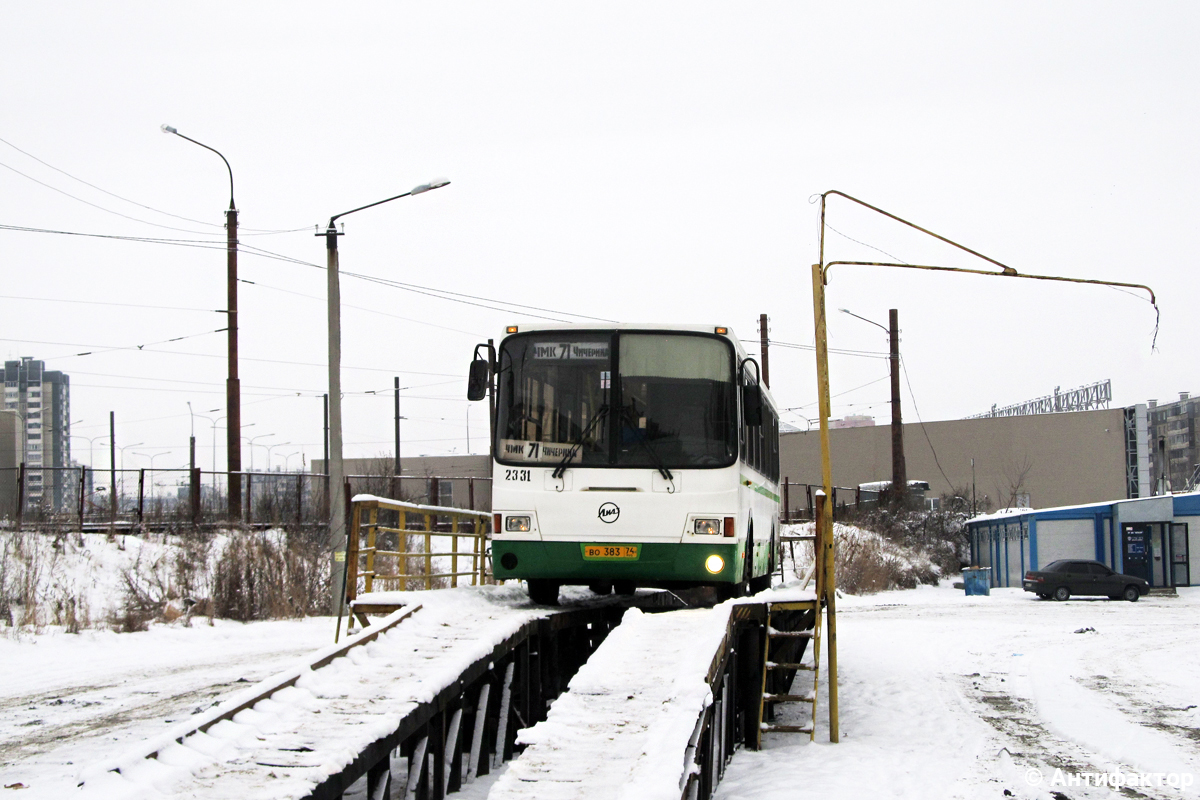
[(656, 563)]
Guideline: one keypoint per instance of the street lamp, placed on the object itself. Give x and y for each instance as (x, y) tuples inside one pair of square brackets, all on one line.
[(288, 459), (233, 391), (119, 490), (899, 490), (91, 441), (337, 491), (824, 526), (251, 441), (152, 456), (269, 448)]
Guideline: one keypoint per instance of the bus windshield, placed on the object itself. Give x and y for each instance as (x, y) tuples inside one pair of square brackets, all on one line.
[(672, 404)]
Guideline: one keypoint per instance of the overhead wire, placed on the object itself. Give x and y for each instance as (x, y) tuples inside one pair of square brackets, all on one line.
[(108, 349), (256, 231), (441, 294), (103, 303), (917, 411)]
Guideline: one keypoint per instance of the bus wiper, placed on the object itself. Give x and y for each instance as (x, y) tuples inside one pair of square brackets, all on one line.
[(601, 412), (654, 456)]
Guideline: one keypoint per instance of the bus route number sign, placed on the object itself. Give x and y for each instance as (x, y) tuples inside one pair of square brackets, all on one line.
[(610, 552)]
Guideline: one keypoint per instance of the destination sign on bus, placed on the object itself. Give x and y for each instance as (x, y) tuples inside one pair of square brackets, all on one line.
[(575, 351), (518, 450)]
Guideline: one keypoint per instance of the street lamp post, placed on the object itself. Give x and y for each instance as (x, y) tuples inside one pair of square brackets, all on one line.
[(269, 448), (123, 448), (151, 456), (337, 490), (899, 491), (233, 391), (251, 440), (824, 527)]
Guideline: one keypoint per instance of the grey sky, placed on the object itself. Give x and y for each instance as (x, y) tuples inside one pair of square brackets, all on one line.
[(640, 162)]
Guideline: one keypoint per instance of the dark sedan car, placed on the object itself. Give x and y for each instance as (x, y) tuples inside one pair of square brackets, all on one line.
[(1061, 579)]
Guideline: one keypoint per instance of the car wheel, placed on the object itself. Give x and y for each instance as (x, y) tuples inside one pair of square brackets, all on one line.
[(1131, 594), (1062, 593), (600, 588)]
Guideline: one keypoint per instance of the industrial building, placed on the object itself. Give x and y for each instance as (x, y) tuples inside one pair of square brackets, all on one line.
[(1034, 460), (461, 478)]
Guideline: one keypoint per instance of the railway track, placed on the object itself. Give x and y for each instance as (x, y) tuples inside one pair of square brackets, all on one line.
[(443, 691)]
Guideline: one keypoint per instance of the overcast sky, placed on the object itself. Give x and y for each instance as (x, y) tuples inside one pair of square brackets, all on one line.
[(641, 162)]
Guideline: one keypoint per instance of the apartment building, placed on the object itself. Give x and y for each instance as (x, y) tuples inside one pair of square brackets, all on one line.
[(1174, 450), (41, 399)]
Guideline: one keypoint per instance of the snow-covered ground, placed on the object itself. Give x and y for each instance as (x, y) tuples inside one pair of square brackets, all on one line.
[(942, 696), (947, 696), (68, 700)]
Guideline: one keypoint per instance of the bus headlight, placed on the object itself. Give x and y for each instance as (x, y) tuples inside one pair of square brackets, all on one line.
[(707, 527), (516, 524), (714, 564)]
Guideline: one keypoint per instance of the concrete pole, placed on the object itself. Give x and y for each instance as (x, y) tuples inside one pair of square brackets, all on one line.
[(899, 471), (337, 488), (233, 386), (112, 467)]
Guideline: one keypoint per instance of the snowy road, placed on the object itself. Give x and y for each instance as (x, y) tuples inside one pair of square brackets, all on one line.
[(945, 696), (69, 700)]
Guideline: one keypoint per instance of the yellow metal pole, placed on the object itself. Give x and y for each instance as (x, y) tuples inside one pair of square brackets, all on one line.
[(825, 559), (428, 552), (402, 548), (372, 537), (476, 572), (827, 589)]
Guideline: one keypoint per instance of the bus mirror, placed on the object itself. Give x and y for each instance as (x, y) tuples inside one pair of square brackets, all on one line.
[(752, 405), (477, 380)]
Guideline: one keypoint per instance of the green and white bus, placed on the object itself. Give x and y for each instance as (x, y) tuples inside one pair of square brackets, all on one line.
[(630, 456)]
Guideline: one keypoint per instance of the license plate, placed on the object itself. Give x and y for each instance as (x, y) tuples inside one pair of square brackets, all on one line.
[(610, 552)]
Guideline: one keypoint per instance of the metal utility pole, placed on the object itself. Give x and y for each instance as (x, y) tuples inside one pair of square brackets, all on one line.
[(899, 487), (764, 341), (233, 390), (337, 486), (899, 472), (112, 465), (820, 275)]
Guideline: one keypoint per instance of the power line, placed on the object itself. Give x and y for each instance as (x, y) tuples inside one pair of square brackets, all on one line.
[(361, 308), (102, 303), (109, 349), (440, 294), (133, 202), (839, 394), (95, 206), (913, 397)]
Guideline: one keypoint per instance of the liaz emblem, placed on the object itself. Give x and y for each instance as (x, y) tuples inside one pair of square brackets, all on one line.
[(609, 512)]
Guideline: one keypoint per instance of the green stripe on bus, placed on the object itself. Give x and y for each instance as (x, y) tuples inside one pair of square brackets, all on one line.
[(763, 490)]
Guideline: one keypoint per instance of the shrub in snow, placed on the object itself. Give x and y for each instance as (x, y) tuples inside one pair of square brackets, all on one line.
[(127, 582), (866, 561)]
